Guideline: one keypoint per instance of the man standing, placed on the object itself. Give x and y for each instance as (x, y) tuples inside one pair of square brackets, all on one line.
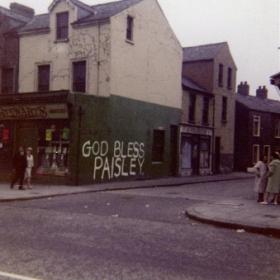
[(19, 166)]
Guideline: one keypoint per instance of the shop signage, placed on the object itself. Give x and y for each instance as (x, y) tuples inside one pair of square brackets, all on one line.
[(197, 130), (34, 112)]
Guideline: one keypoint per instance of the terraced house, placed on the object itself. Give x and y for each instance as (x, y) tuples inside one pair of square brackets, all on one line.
[(207, 129), (99, 92)]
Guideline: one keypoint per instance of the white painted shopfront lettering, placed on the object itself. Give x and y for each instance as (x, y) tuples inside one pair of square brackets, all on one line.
[(126, 158)]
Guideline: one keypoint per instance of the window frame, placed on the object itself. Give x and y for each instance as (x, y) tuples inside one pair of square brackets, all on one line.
[(40, 87), (62, 26), (192, 109), (277, 128), (268, 152), (224, 114), (205, 110), (229, 78), (76, 85), (129, 28), (221, 75), (158, 145), (255, 158), (7, 88), (256, 120)]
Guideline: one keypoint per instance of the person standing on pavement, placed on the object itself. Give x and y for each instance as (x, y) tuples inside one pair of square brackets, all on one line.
[(273, 186), (19, 166), (261, 171), (30, 164)]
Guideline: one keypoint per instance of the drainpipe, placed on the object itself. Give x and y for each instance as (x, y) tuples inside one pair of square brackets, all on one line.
[(98, 60), (77, 179)]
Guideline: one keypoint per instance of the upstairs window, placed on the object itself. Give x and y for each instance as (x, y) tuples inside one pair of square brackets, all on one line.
[(224, 110), (79, 76), (221, 75), (256, 126), (205, 112), (192, 108), (129, 28), (158, 145), (43, 78), (229, 78), (62, 20), (7, 80), (277, 129)]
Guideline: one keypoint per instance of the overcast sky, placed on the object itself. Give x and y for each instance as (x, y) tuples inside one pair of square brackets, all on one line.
[(251, 27)]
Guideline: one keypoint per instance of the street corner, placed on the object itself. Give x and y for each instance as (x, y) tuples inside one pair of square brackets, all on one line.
[(239, 215)]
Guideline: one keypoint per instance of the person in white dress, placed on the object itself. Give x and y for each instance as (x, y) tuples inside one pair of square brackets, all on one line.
[(30, 164)]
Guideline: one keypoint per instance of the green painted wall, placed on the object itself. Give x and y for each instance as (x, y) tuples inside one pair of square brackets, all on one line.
[(112, 138)]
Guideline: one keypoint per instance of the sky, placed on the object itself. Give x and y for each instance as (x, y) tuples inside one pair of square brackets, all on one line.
[(251, 28)]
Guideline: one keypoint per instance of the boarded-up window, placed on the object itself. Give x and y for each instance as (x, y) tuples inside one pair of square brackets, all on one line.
[(7, 80), (79, 76), (158, 145), (43, 78)]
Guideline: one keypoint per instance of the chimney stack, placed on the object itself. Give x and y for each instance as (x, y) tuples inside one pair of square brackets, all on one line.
[(243, 89), (262, 92), (22, 10)]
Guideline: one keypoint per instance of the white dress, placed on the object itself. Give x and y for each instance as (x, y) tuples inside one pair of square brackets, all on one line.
[(30, 164)]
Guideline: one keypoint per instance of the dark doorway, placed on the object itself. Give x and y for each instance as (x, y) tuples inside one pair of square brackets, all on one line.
[(217, 154), (173, 150)]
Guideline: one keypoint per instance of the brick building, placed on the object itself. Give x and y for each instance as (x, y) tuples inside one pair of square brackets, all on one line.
[(257, 126), (212, 69)]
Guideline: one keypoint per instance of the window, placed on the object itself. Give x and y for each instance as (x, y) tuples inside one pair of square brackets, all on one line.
[(277, 129), (256, 126), (7, 80), (221, 75), (204, 152), (43, 78), (224, 110), (62, 26), (205, 112), (266, 152), (129, 28), (192, 108), (158, 145), (79, 76), (256, 153), (229, 78)]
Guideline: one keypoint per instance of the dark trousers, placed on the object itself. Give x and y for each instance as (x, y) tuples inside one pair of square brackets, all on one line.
[(18, 176)]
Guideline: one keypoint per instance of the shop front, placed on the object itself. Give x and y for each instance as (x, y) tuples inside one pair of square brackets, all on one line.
[(195, 151), (44, 126)]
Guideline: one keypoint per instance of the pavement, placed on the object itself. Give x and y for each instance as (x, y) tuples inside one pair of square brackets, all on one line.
[(240, 214)]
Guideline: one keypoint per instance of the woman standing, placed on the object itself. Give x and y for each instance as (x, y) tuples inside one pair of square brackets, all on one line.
[(30, 164), (261, 172), (273, 186)]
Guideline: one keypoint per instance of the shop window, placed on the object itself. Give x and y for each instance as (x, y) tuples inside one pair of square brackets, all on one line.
[(79, 76), (158, 145), (256, 126), (7, 80), (192, 108), (129, 28), (43, 78), (221, 75), (62, 20), (186, 153), (53, 150), (204, 153)]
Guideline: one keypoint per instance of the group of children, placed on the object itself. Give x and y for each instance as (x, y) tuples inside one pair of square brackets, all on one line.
[(267, 181), (23, 163)]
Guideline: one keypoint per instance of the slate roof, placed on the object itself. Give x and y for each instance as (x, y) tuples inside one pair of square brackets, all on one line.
[(190, 84), (97, 13), (259, 104), (20, 18), (203, 52)]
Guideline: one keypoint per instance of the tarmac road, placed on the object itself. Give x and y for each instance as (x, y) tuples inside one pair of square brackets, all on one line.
[(133, 234)]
